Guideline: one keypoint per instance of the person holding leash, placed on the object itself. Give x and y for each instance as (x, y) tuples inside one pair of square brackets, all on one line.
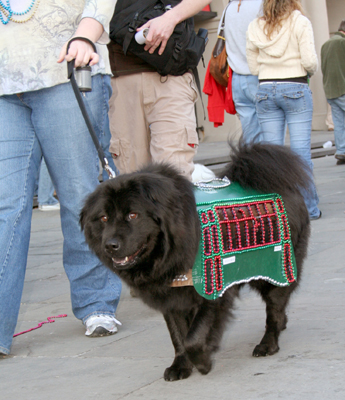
[(40, 116)]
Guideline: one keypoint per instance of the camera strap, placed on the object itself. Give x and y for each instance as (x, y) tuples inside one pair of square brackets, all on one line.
[(71, 76)]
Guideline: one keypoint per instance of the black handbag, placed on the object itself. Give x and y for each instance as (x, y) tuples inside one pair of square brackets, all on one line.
[(184, 48)]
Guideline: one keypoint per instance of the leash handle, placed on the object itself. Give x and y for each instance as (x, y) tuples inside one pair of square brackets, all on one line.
[(71, 77)]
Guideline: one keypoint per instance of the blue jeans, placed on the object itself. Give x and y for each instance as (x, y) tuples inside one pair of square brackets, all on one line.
[(244, 89), (45, 187), (338, 115), (105, 143), (291, 103), (49, 122)]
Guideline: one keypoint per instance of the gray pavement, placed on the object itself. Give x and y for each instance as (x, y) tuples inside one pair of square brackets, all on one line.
[(57, 361)]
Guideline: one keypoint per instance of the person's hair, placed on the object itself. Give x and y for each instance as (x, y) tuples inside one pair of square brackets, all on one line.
[(276, 11), (342, 26)]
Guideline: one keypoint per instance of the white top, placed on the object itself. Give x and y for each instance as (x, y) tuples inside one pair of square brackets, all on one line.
[(290, 53), (236, 25), (29, 50)]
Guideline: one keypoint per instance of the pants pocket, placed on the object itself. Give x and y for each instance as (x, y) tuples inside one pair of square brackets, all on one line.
[(295, 101), (262, 102), (118, 152), (189, 77)]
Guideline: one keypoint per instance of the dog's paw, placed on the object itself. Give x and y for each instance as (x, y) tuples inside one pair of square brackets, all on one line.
[(201, 360), (263, 350), (204, 368), (175, 373), (181, 368)]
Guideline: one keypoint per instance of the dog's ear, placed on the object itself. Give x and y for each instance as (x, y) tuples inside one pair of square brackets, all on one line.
[(157, 191), (89, 207)]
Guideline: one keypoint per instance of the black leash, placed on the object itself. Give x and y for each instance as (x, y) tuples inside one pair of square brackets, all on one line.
[(71, 76)]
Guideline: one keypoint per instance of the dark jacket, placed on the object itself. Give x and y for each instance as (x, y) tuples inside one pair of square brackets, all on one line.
[(333, 66)]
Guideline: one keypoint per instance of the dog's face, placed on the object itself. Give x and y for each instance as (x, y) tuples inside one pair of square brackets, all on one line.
[(121, 223)]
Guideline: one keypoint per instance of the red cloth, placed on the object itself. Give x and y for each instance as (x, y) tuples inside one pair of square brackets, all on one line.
[(219, 98)]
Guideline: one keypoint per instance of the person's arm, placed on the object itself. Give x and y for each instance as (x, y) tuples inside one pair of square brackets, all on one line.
[(94, 25), (80, 50), (306, 43), (161, 28)]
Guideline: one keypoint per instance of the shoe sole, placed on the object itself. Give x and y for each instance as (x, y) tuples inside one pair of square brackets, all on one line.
[(100, 331), (316, 218)]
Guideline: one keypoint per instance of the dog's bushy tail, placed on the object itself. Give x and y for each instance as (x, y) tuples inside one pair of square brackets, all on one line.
[(267, 168)]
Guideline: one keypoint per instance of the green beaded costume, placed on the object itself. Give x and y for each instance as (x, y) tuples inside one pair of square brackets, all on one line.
[(245, 236)]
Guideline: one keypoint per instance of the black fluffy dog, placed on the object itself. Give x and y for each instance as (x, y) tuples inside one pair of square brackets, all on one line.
[(144, 226)]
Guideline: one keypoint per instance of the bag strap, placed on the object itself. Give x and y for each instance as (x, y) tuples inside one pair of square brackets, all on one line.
[(222, 21), (198, 85), (220, 43)]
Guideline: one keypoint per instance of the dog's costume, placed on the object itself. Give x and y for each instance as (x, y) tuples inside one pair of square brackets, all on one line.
[(245, 236)]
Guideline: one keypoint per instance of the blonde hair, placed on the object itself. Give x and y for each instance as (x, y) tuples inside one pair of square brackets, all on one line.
[(276, 11)]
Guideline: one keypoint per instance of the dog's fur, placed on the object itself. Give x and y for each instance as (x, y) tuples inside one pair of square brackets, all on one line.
[(144, 226)]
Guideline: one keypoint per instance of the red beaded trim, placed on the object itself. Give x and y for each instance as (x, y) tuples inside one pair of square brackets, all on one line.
[(246, 226), (211, 216), (207, 242), (269, 223), (215, 238), (208, 271), (204, 219), (219, 272), (255, 226), (285, 227), (288, 264), (280, 205)]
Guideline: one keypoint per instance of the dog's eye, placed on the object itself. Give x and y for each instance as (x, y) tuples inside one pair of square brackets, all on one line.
[(132, 215), (104, 218)]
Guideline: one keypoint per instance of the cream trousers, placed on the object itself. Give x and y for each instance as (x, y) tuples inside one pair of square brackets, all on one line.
[(152, 119)]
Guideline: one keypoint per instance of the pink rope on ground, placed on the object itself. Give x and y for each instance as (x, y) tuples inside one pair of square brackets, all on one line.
[(49, 320)]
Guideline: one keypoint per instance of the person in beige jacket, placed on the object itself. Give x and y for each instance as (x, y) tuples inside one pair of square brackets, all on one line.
[(281, 51)]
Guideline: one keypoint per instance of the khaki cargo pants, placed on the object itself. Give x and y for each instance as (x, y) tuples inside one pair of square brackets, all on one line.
[(152, 119)]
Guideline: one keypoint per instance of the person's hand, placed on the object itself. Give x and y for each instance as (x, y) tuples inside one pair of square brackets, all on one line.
[(81, 51), (160, 30)]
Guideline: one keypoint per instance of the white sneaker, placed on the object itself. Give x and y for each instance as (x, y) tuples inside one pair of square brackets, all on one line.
[(49, 207), (101, 325)]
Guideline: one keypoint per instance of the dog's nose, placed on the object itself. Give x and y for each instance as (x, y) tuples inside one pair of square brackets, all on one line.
[(112, 245)]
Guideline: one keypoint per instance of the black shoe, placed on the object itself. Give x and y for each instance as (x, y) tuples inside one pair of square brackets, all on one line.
[(340, 157), (340, 162)]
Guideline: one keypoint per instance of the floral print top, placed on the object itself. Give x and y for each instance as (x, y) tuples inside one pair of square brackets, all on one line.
[(29, 50)]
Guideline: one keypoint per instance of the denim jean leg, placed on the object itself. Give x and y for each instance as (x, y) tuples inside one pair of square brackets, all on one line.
[(297, 101), (73, 163), (338, 115), (45, 187), (105, 143), (278, 103), (244, 89), (271, 116), (20, 156)]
